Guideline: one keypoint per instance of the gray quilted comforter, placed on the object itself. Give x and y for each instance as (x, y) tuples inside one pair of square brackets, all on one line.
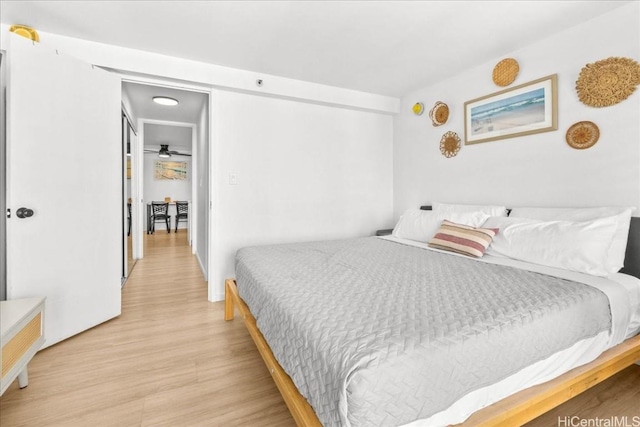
[(376, 333)]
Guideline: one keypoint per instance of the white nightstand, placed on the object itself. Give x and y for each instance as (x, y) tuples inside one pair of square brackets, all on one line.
[(21, 323)]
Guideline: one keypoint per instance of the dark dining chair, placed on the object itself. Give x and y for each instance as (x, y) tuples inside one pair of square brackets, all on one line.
[(160, 213), (182, 212), (129, 218)]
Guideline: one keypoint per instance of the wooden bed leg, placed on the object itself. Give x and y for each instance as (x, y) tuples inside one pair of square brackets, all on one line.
[(228, 299)]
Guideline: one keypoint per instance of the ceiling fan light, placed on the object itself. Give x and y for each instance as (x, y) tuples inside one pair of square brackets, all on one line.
[(165, 100), (164, 151)]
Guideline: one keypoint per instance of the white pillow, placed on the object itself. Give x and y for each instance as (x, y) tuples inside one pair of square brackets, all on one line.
[(576, 246), (419, 225), (617, 251), (416, 224), (448, 209)]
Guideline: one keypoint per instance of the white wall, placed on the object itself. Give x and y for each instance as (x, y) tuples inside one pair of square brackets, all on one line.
[(541, 169), (128, 107), (304, 172), (157, 190), (313, 161)]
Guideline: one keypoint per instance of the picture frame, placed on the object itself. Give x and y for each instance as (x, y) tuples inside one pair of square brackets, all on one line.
[(518, 111), (170, 170)]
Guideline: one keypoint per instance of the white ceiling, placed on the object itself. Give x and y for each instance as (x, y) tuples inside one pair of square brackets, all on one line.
[(187, 111), (177, 137), (384, 47)]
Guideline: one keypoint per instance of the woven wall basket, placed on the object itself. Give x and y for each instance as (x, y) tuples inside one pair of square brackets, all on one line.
[(439, 114), (450, 144), (505, 72), (608, 82), (583, 135)]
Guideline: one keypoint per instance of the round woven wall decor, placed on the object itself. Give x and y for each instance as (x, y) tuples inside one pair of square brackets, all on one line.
[(418, 108), (583, 135), (505, 72), (450, 144), (608, 82), (439, 113)]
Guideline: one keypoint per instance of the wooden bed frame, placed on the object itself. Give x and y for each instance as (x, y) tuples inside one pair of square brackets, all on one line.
[(516, 409)]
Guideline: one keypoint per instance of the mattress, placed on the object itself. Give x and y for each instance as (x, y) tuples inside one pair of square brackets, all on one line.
[(378, 332), (623, 292)]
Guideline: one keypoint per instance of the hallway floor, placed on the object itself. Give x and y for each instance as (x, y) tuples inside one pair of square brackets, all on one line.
[(169, 360)]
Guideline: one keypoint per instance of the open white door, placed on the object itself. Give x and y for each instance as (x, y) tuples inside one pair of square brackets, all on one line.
[(65, 165)]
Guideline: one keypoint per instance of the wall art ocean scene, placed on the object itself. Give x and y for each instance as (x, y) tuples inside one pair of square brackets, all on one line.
[(516, 111), (522, 110), (170, 170)]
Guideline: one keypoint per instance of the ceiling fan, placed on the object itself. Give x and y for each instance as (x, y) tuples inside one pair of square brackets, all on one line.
[(165, 152)]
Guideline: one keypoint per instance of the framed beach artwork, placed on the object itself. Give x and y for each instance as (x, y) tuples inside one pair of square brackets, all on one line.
[(170, 170), (521, 110)]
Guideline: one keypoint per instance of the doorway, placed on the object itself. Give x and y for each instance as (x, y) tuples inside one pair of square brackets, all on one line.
[(168, 171), (78, 163), (173, 139)]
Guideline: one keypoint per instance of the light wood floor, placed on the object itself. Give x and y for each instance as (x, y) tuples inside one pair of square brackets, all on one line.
[(170, 360)]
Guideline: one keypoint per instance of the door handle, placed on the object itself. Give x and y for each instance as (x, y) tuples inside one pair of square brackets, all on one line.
[(24, 213)]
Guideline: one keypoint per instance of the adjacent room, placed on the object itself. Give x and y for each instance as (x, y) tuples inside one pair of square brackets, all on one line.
[(311, 213), (167, 176)]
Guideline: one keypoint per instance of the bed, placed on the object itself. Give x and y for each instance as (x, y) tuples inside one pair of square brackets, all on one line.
[(394, 365)]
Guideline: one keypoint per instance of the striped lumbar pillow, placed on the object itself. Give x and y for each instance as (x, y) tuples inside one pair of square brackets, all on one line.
[(463, 239)]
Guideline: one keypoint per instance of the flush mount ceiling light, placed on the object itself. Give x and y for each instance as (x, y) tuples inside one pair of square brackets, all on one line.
[(165, 100)]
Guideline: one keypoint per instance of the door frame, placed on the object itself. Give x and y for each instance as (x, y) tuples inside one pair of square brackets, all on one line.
[(138, 215), (193, 227)]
